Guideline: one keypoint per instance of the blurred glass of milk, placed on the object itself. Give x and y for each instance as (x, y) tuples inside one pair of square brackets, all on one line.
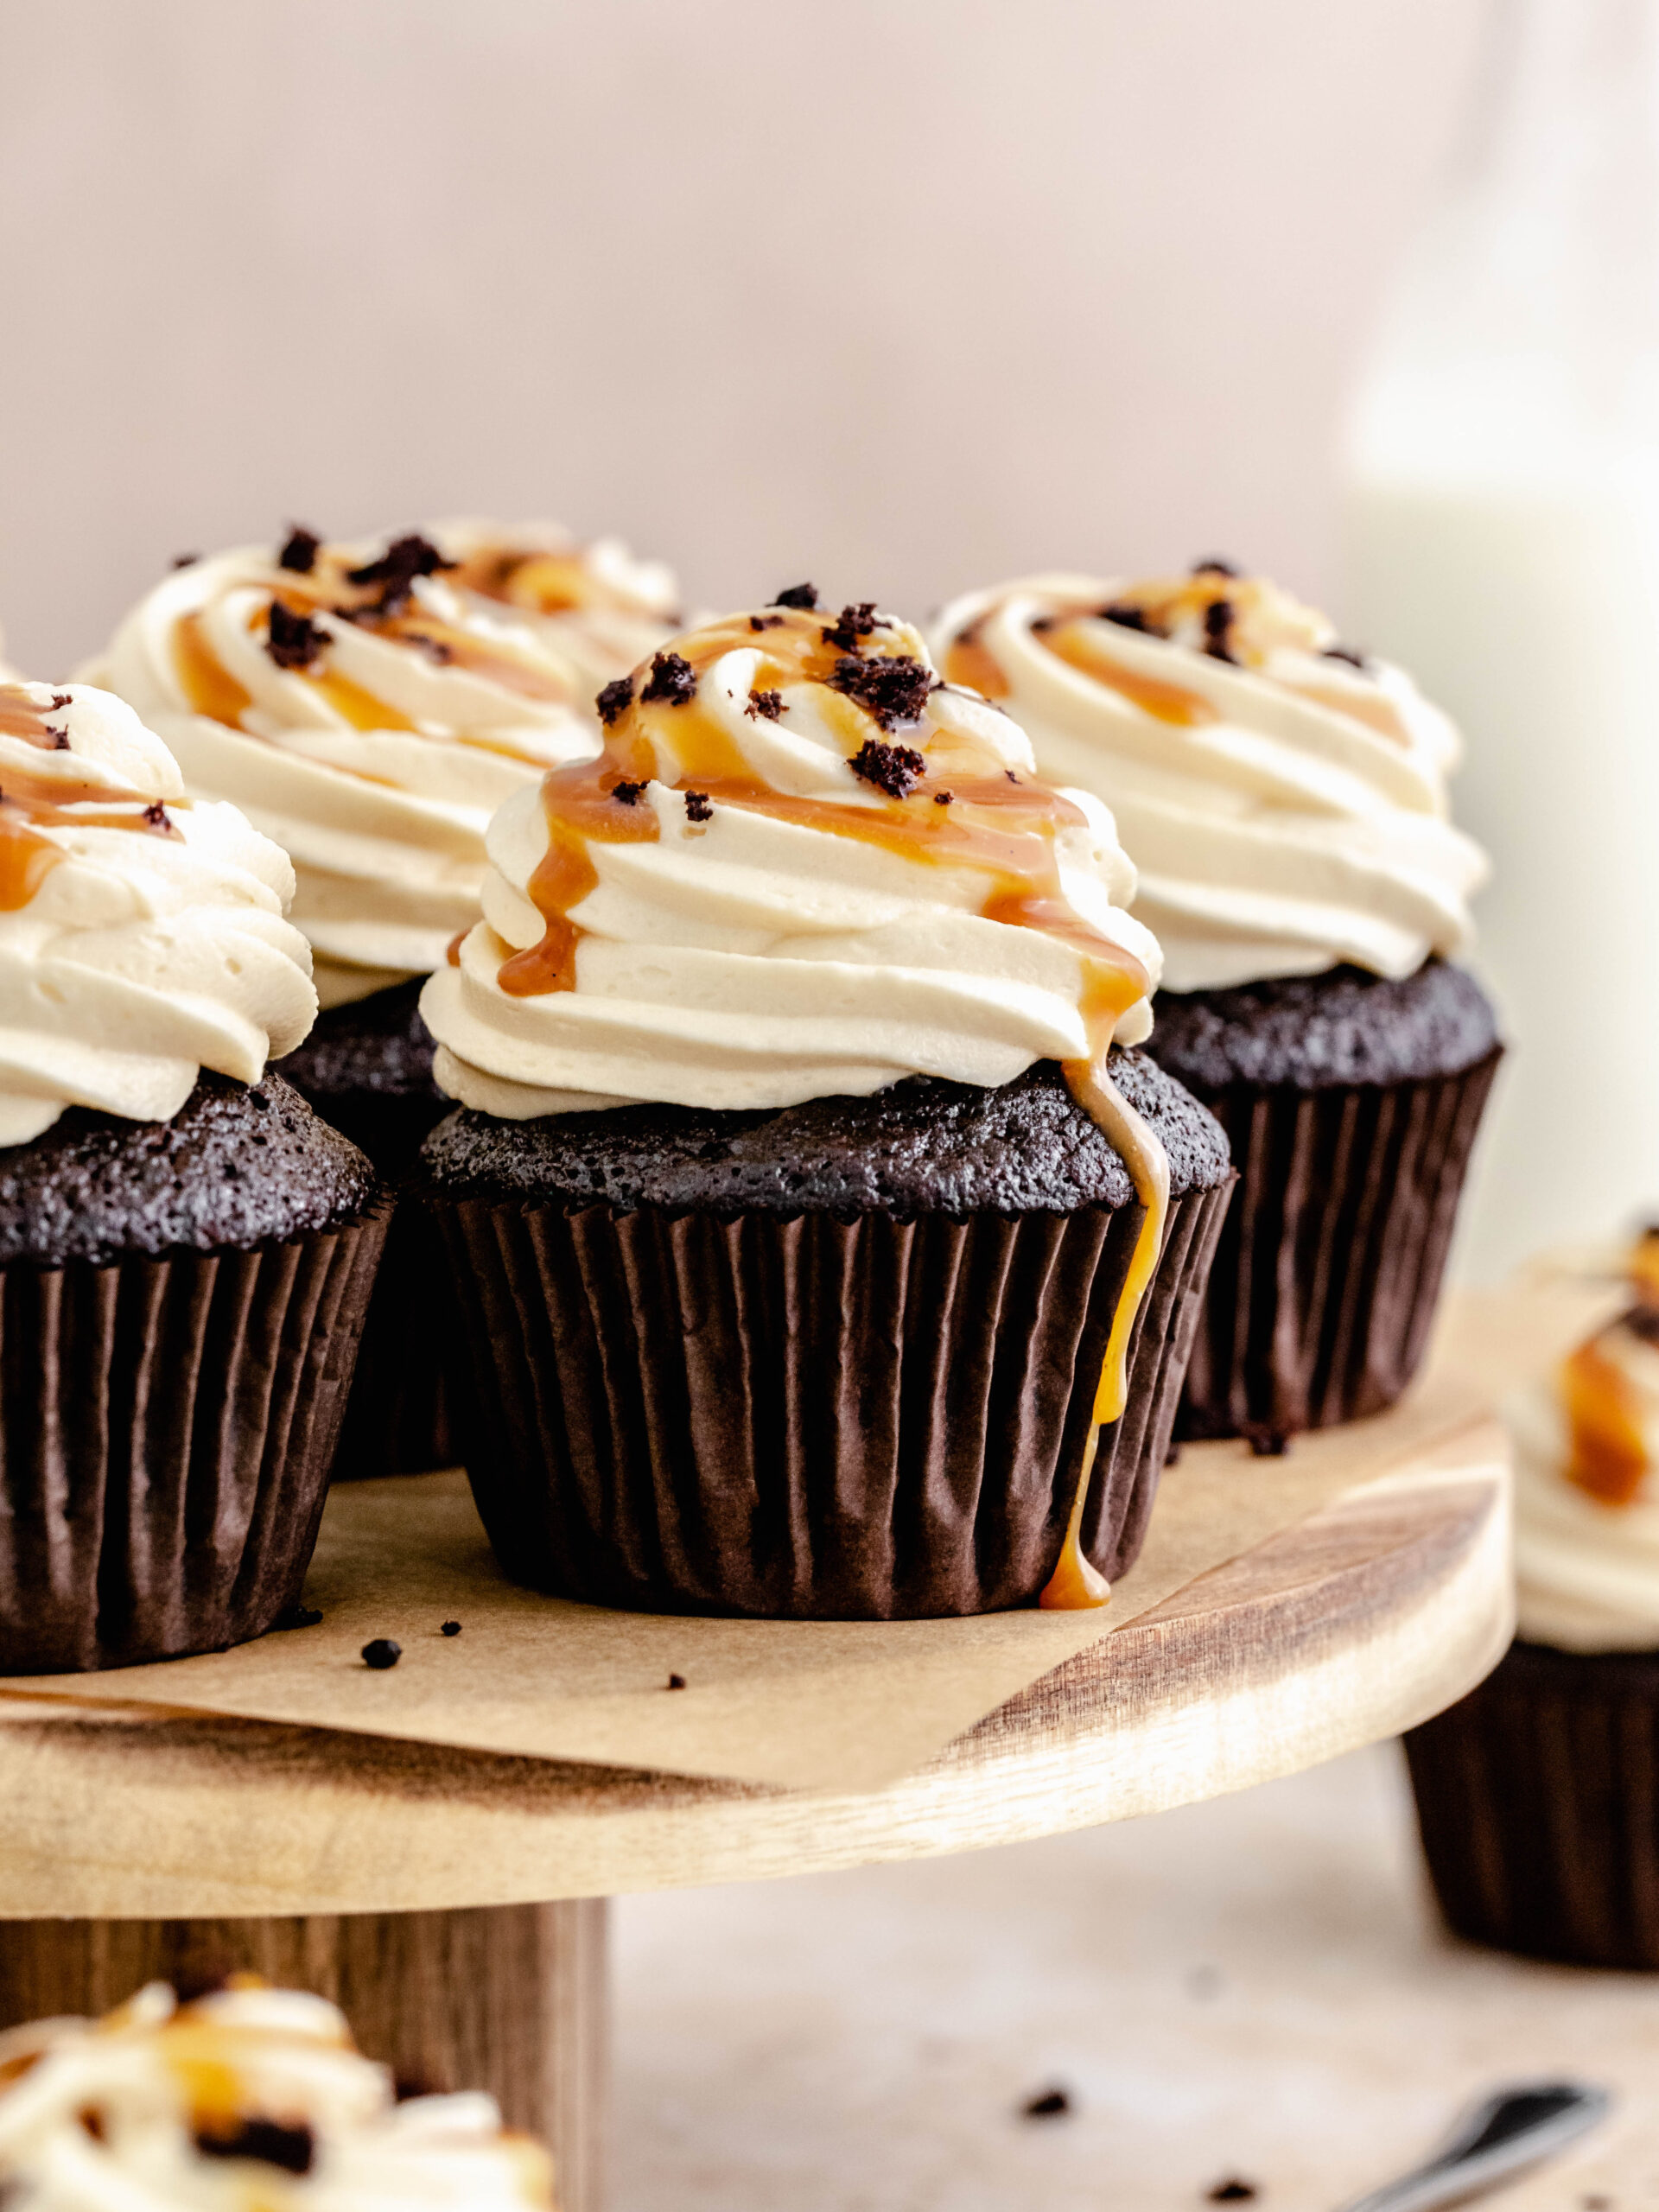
[(1501, 522)]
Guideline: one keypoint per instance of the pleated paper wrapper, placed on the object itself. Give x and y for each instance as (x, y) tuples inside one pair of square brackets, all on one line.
[(1538, 1803), (167, 1427), (810, 1417), (1329, 1267), (399, 1419)]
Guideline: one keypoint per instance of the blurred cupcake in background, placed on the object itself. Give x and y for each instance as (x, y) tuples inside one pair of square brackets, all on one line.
[(185, 1250), (597, 605), (1538, 1793), (1284, 801), (248, 2099), (823, 1248), (369, 709)]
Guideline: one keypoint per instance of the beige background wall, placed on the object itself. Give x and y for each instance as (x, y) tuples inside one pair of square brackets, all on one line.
[(897, 295)]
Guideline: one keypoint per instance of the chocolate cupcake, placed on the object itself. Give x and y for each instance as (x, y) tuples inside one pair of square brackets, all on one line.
[(1536, 1794), (823, 1251), (1284, 801), (368, 706), (186, 1250), (243, 2096)]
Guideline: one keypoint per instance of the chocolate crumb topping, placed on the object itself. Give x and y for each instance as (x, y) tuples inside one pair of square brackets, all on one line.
[(677, 1682), (60, 737), (381, 1652), (403, 560), (855, 621), (698, 807), (769, 704), (1351, 654), (893, 690), (765, 621), (1232, 2192), (804, 596), (270, 2142), (1048, 2104), (630, 794), (185, 560), (293, 640), (63, 698), (297, 1617), (673, 680), (157, 815), (894, 769), (1217, 628), (1128, 618), (1213, 567), (300, 550), (614, 700), (1009, 773), (943, 799), (450, 1627)]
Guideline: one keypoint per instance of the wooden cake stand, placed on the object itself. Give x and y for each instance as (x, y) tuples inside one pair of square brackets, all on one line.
[(453, 1902)]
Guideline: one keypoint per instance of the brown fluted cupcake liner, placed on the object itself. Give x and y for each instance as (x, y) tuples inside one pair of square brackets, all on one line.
[(810, 1417), (1538, 1803), (399, 1417), (166, 1430), (1329, 1267)]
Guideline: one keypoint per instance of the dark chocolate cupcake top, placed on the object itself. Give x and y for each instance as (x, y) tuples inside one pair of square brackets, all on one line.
[(237, 1165), (1320, 1032), (378, 1044), (924, 1145)]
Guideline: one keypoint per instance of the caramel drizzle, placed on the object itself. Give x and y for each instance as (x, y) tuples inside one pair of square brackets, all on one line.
[(30, 805), (1074, 636), (969, 660), (211, 689), (1607, 1451), (1003, 829), (1076, 643), (539, 582)]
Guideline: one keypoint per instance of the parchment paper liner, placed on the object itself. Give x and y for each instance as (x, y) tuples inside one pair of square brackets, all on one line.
[(166, 1430), (1538, 1803), (399, 1417), (1329, 1265), (810, 1418)]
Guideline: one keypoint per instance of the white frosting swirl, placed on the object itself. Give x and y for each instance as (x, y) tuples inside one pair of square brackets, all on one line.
[(1586, 1550), (141, 937), (113, 2116), (753, 922), (597, 605), (1287, 812), (375, 760)]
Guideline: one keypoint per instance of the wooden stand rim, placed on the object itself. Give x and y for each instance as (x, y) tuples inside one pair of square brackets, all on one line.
[(1358, 1623)]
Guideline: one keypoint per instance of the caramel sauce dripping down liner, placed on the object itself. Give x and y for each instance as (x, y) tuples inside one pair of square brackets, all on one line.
[(1076, 1583)]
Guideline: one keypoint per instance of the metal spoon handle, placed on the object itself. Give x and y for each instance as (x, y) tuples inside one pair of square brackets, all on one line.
[(1502, 2137)]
